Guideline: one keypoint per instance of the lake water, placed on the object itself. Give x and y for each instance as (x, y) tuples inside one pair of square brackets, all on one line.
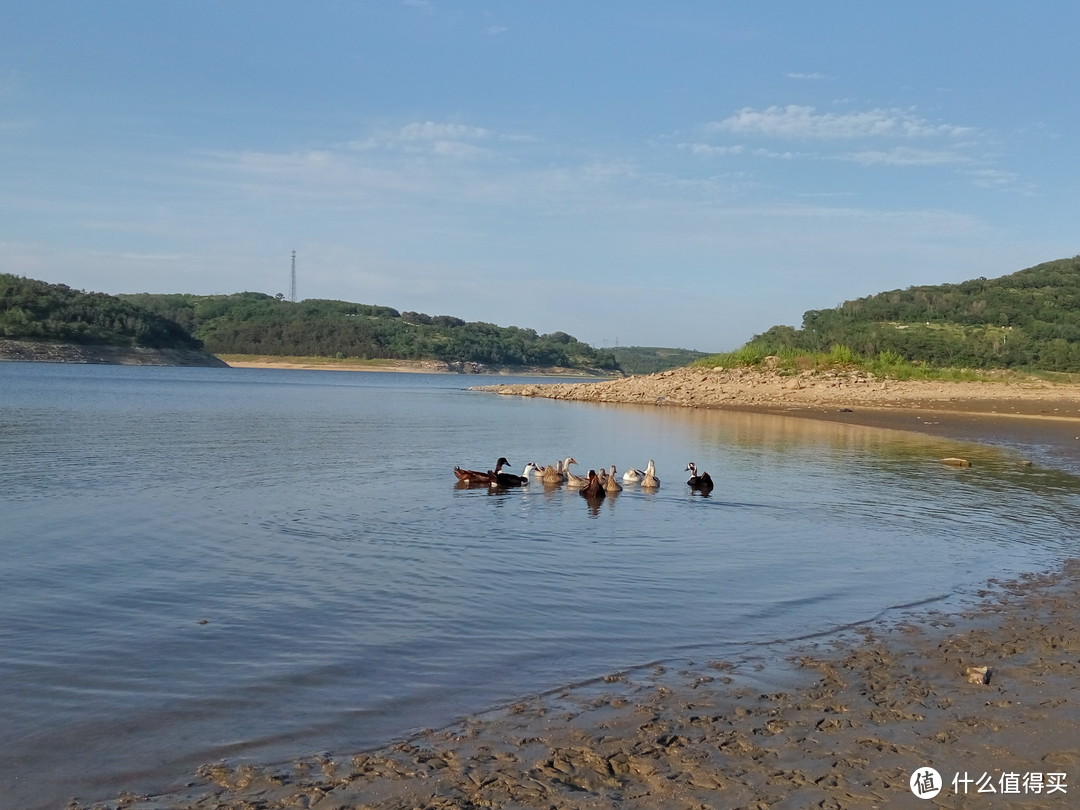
[(253, 565)]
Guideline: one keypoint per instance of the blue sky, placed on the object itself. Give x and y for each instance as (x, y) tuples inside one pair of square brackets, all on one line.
[(634, 173)]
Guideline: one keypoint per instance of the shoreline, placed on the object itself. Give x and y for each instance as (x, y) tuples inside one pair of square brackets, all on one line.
[(400, 366), (840, 720), (1015, 413)]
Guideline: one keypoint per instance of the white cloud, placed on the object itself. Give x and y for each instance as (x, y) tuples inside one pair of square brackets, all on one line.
[(448, 139), (712, 151), (906, 156), (802, 122), (804, 76), (992, 178), (770, 153), (1002, 180), (460, 150), (431, 131), (495, 30)]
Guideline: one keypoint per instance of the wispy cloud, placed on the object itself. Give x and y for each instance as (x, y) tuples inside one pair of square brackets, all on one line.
[(432, 131), (709, 150), (906, 156), (449, 139), (806, 76), (801, 122), (1001, 180), (775, 155)]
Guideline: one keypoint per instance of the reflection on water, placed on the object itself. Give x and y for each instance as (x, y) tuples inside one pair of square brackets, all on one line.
[(260, 564)]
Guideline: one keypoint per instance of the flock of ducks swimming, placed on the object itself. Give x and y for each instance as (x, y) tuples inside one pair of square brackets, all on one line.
[(594, 485)]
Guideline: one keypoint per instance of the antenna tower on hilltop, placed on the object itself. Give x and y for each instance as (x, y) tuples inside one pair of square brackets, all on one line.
[(292, 279)]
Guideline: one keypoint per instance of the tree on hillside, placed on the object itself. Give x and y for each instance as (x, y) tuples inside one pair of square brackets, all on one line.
[(36, 310)]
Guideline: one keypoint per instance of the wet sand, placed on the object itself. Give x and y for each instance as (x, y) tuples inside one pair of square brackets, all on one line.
[(988, 695)]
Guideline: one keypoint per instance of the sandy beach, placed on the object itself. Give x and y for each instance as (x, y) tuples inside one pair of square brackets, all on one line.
[(987, 696), (401, 366)]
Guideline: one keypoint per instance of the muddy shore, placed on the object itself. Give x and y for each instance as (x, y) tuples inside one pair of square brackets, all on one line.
[(987, 695)]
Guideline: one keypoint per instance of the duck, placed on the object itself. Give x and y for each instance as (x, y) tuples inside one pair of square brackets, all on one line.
[(650, 481), (576, 481), (556, 473), (633, 475), (502, 479), (611, 484), (477, 477), (593, 489), (702, 481)]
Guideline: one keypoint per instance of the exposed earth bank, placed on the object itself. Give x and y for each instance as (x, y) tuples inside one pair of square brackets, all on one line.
[(41, 352)]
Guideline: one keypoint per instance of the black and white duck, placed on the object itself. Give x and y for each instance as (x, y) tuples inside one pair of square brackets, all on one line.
[(699, 481)]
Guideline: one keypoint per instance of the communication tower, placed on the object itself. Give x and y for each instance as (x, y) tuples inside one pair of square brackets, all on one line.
[(292, 279)]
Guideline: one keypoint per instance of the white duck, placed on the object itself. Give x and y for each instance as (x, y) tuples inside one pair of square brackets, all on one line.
[(633, 476), (650, 481), (575, 481)]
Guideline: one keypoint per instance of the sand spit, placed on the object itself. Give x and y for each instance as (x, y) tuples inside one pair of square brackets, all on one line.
[(401, 366), (813, 392), (989, 699)]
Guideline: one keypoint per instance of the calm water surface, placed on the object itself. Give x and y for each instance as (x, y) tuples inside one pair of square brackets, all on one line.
[(255, 565)]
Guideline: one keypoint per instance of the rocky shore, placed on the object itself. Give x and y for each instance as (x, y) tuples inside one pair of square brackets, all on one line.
[(813, 392), (1013, 411)]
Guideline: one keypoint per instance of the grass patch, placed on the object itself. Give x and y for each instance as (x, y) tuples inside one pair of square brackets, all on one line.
[(840, 358)]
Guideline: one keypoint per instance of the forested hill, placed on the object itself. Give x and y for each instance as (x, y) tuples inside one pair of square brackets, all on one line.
[(36, 310), (256, 323), (1029, 319)]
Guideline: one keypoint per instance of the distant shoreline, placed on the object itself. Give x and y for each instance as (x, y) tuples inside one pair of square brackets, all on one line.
[(406, 366), (40, 351)]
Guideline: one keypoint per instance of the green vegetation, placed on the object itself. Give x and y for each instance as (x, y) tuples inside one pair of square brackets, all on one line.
[(838, 358), (651, 359), (1027, 320), (35, 310), (256, 323)]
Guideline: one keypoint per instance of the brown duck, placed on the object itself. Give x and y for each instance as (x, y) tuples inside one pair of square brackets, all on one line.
[(477, 477)]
